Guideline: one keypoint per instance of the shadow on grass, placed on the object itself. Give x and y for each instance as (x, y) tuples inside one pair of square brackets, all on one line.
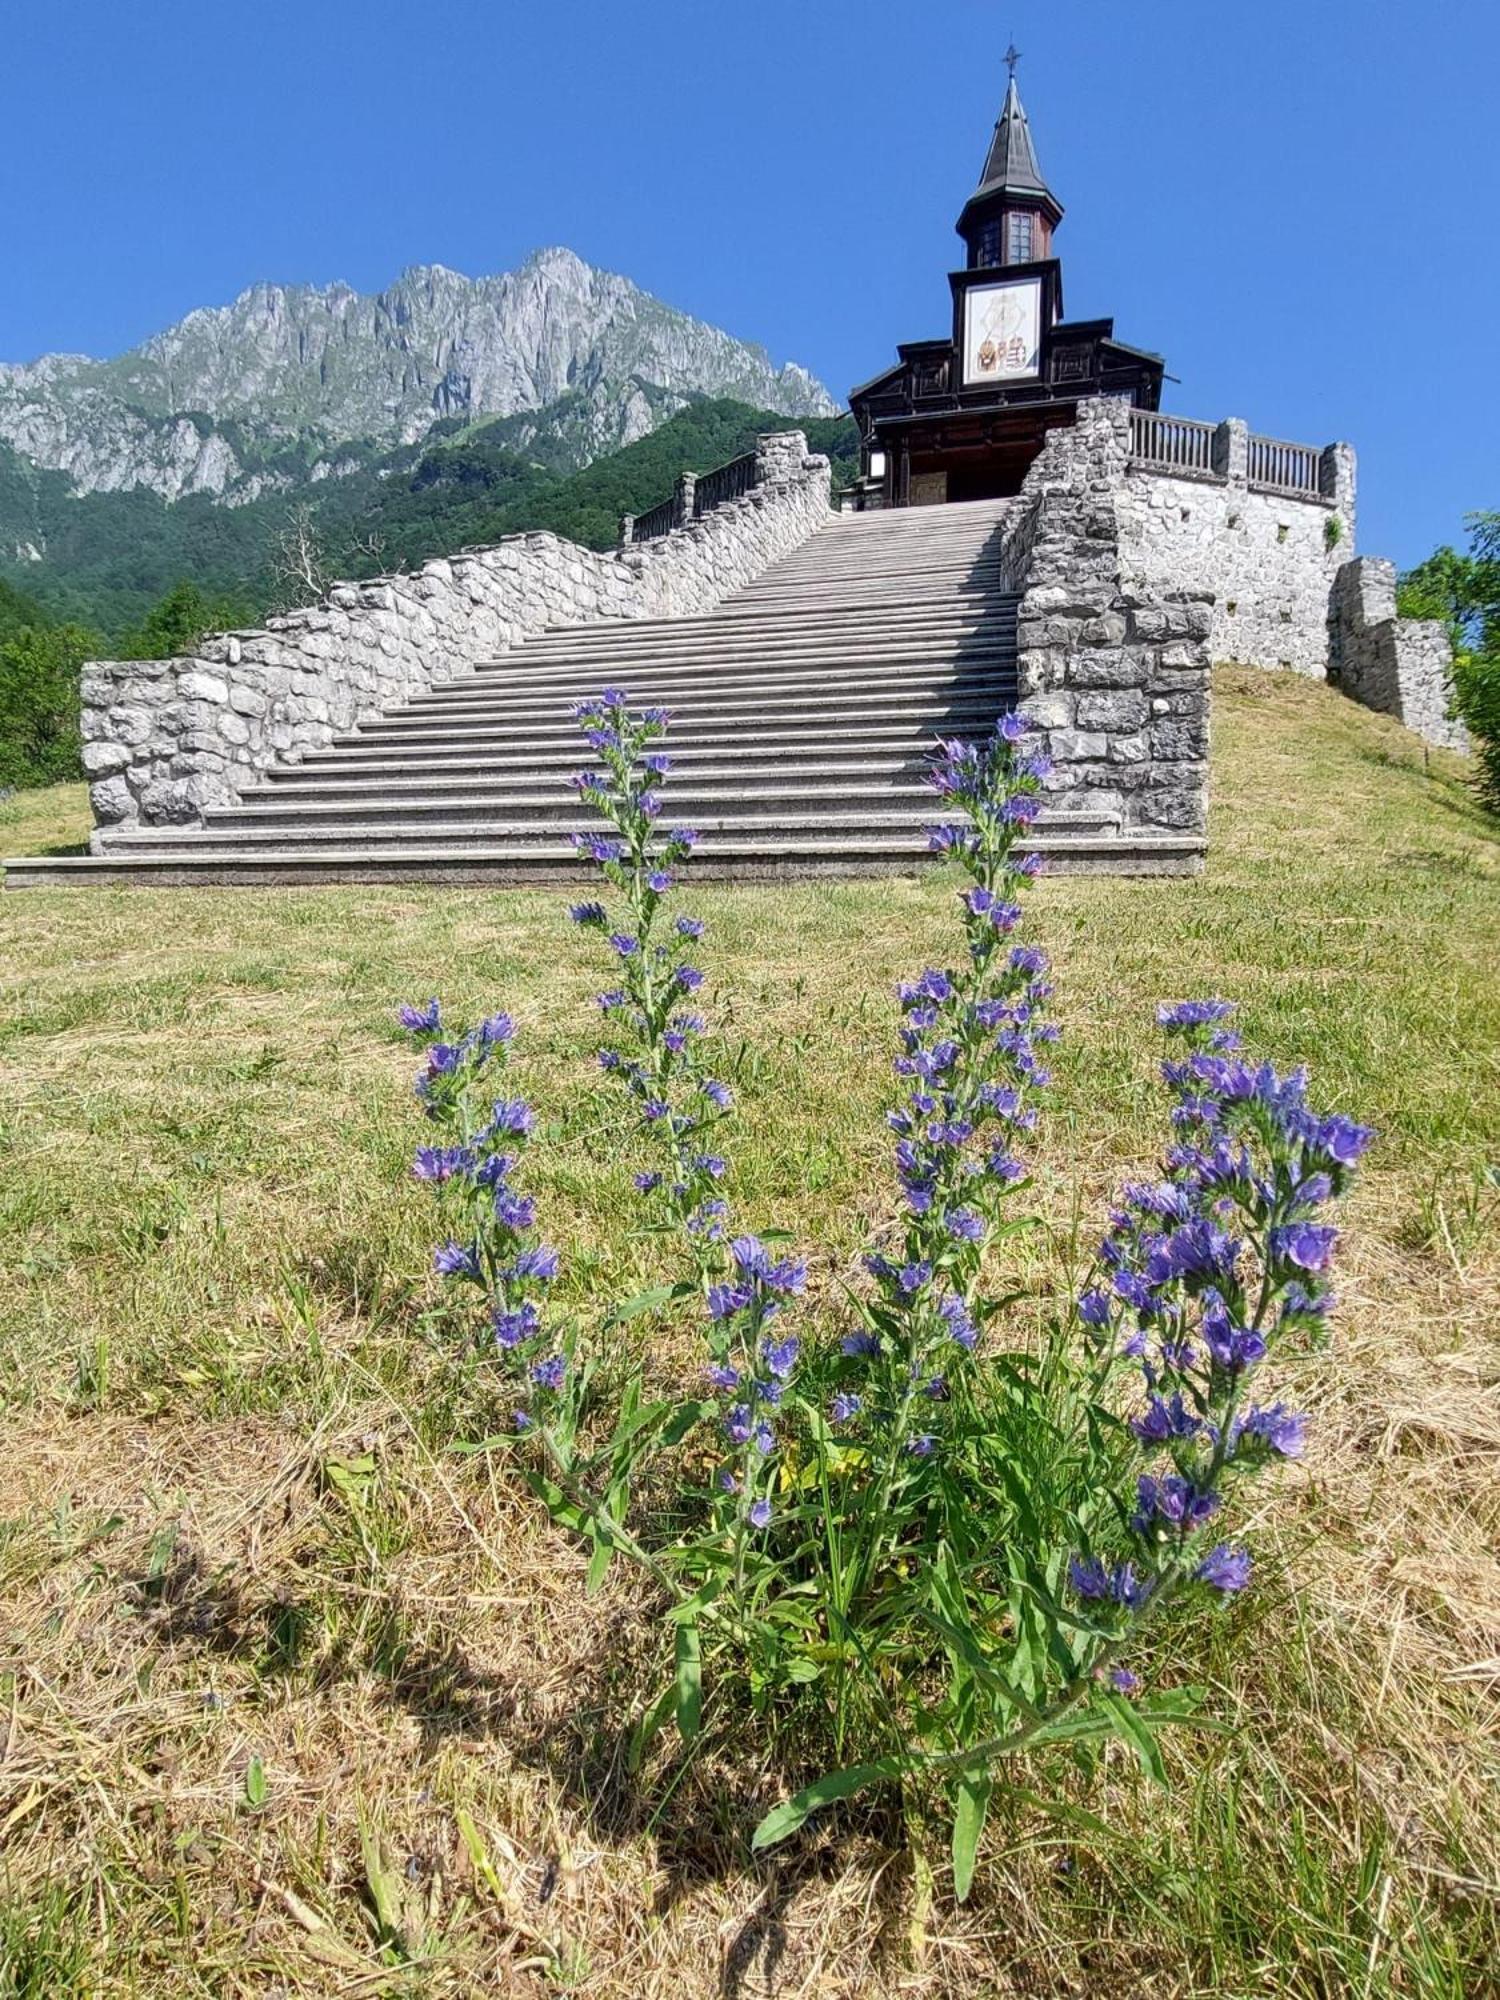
[(1456, 796), (696, 1803)]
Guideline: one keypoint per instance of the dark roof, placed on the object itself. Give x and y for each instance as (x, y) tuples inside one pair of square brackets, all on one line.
[(1012, 164)]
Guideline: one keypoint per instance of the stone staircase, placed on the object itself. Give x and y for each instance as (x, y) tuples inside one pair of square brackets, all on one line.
[(803, 707)]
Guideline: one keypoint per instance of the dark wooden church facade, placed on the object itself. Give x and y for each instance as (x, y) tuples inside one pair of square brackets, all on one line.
[(963, 418)]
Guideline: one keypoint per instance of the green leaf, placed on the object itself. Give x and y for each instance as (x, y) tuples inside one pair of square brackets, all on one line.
[(689, 1689), (685, 1416), (598, 1566), (686, 1613), (483, 1867), (784, 1820), (383, 1883), (644, 1302), (970, 1804), (482, 1445), (256, 1788), (1131, 1724), (557, 1503), (649, 1727)]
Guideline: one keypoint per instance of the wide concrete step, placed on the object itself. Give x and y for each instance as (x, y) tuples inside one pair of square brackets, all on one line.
[(748, 859), (938, 715), (566, 753), (838, 796), (861, 593), (479, 738), (934, 568), (885, 559), (651, 682), (777, 623), (717, 830), (743, 701), (813, 647), (527, 790)]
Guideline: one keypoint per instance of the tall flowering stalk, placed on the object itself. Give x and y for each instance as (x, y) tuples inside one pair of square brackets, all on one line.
[(656, 1060), (970, 1066), (1202, 1276), (494, 1245), (1206, 1273)]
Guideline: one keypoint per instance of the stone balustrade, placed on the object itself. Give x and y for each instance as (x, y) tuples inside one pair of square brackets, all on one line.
[(166, 740)]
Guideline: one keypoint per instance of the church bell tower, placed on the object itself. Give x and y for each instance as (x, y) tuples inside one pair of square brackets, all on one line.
[(963, 417), (1011, 215)]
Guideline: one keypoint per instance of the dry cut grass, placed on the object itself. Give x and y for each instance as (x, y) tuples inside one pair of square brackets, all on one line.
[(295, 1699)]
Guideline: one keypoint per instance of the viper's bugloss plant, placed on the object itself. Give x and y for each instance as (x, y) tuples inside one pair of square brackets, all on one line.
[(937, 1540), (678, 1106)]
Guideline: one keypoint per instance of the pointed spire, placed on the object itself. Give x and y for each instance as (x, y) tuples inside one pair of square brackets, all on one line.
[(1012, 162)]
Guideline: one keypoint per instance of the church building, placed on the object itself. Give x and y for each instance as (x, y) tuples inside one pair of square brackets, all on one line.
[(963, 418)]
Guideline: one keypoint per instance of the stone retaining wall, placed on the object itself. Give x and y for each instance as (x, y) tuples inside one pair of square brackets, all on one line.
[(1113, 666), (1400, 666), (164, 740), (1268, 560)]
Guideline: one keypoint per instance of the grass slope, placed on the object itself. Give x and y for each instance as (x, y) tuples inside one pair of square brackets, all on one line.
[(268, 1641)]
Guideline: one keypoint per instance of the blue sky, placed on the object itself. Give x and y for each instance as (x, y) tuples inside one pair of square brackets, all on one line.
[(1295, 203)]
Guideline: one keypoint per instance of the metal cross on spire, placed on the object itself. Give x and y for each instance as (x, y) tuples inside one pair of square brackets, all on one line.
[(1011, 57)]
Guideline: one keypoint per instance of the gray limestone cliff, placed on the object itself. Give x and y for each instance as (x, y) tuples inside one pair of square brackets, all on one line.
[(240, 399)]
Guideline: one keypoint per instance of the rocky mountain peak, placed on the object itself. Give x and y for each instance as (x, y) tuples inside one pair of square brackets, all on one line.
[(212, 403)]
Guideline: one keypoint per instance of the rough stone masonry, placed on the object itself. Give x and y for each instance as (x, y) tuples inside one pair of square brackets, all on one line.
[(165, 739), (1112, 667), (1132, 577)]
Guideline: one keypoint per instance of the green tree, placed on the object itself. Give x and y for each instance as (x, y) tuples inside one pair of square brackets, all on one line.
[(16, 610), (39, 702), (175, 624)]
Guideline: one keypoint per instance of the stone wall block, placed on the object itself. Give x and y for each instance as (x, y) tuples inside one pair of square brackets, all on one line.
[(100, 759), (1125, 709), (1401, 667), (198, 686), (1174, 739), (1071, 746)]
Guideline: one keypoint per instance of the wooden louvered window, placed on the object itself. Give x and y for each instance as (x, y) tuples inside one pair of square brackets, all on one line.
[(987, 247)]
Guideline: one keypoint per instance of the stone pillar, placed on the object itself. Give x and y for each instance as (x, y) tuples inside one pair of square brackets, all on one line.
[(779, 456), (687, 486), (1114, 674), (1399, 666), (627, 530), (1336, 482), (1231, 450)]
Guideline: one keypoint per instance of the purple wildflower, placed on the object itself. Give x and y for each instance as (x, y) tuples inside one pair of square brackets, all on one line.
[(541, 1262), (1226, 1568), (454, 1260)]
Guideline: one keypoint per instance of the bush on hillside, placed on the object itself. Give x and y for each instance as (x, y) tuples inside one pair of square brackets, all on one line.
[(39, 666), (173, 626)]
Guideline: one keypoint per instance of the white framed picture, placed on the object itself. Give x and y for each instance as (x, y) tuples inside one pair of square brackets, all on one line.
[(1002, 331)]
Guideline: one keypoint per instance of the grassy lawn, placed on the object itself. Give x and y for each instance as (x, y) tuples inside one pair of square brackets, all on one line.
[(295, 1700)]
